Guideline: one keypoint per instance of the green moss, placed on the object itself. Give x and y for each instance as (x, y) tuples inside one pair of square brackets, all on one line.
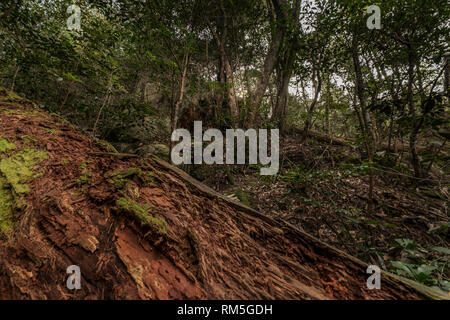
[(18, 169), (193, 240), (8, 111), (120, 179), (135, 192), (6, 205), (83, 166), (156, 224), (52, 132), (10, 96), (86, 175), (29, 140), (65, 162), (20, 109), (243, 197), (63, 120), (84, 179), (5, 145), (15, 172), (106, 145), (20, 105)]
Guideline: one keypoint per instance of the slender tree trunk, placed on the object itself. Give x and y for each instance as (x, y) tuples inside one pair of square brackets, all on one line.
[(286, 66), (415, 161), (447, 77), (221, 80), (282, 101), (284, 78), (66, 96), (176, 110), (14, 78), (317, 78), (105, 102), (283, 16), (327, 107), (234, 111), (368, 130), (225, 71), (263, 81)]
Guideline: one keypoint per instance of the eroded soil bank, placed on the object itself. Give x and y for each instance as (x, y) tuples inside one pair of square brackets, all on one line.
[(141, 229)]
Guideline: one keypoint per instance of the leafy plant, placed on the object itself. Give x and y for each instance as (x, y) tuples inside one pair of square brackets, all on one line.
[(433, 272)]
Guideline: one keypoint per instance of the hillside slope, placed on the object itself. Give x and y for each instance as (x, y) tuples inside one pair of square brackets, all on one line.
[(141, 229)]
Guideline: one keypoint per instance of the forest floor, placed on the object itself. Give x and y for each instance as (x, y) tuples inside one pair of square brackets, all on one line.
[(323, 189), (142, 229)]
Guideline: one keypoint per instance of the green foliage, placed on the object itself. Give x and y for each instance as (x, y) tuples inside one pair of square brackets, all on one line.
[(433, 272), (243, 197), (441, 229), (70, 76), (85, 176)]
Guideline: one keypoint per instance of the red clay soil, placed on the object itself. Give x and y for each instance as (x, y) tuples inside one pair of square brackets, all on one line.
[(212, 248)]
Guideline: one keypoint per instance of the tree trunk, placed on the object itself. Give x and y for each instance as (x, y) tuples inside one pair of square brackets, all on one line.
[(176, 110), (263, 81), (231, 92), (327, 107), (447, 77), (318, 88), (415, 161), (14, 78), (225, 71), (286, 66), (284, 79), (368, 130)]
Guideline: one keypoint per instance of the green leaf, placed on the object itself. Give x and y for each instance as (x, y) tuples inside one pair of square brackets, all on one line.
[(406, 243), (445, 284), (425, 269), (353, 220), (70, 76), (403, 267), (442, 249)]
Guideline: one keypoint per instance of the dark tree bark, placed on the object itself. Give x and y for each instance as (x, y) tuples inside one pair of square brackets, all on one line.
[(284, 78), (447, 76), (368, 130), (176, 111), (415, 161), (225, 70), (280, 17), (317, 79), (285, 68)]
